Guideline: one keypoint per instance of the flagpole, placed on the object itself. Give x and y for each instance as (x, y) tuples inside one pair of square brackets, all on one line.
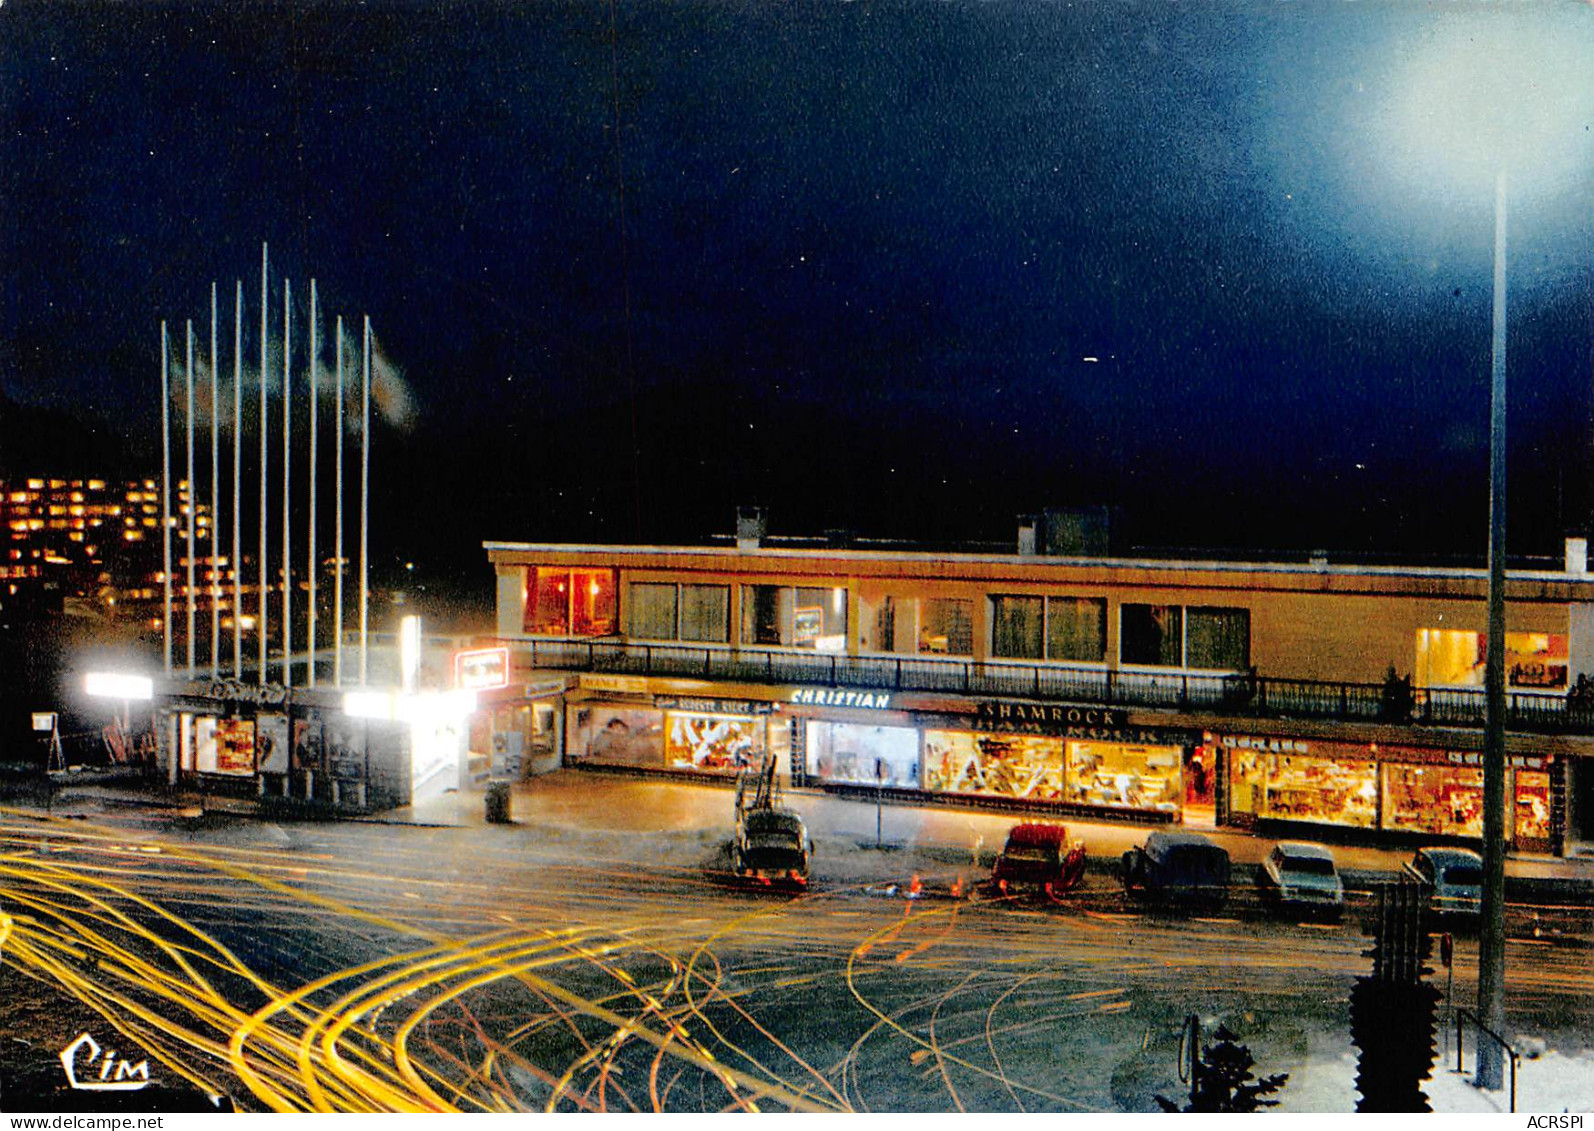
[(237, 473), (166, 502), (337, 536), (264, 421), (193, 496), (314, 399), (215, 495), (287, 508), (365, 504)]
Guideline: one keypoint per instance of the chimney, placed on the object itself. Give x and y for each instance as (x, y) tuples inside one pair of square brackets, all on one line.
[(751, 525), (1028, 526), (1577, 555)]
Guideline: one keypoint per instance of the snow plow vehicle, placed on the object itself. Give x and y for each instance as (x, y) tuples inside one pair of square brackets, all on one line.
[(771, 846)]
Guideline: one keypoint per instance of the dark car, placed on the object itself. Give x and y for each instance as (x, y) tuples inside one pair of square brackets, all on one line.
[(1039, 857), (1457, 879), (1178, 868), (772, 846)]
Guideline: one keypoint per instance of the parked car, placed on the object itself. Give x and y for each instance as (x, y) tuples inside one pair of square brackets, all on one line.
[(1039, 857), (1301, 879), (1457, 879), (1178, 868)]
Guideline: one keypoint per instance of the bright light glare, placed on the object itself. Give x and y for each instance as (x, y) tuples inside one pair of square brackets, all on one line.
[(368, 704), (409, 649), (1481, 91), (110, 685)]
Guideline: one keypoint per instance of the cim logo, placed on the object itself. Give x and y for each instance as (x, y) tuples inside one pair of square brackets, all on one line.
[(114, 1075)]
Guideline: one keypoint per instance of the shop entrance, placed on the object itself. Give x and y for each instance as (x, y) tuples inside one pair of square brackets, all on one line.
[(1200, 786), (1580, 805)]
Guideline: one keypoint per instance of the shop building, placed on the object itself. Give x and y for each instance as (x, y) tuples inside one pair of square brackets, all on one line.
[(1275, 696)]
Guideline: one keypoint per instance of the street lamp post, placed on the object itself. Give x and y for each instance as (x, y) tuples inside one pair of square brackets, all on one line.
[(1491, 936), (1476, 96)]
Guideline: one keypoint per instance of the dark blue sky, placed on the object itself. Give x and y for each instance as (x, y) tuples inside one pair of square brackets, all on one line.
[(865, 253)]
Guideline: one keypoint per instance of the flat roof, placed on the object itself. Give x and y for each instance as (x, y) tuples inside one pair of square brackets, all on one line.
[(1294, 574)]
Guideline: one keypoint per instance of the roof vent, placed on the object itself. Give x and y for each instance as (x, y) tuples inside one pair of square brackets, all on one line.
[(1577, 555), (752, 523)]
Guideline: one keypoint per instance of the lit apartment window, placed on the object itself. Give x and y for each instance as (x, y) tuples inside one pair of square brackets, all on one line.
[(798, 618)]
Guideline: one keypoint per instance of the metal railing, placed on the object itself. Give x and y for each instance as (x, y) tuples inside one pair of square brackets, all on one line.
[(1498, 1039), (1241, 694)]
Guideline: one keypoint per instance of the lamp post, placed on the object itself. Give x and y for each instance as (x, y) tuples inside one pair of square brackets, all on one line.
[(1480, 95), (1491, 933)]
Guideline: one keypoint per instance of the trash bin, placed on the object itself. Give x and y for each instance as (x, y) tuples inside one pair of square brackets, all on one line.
[(498, 809)]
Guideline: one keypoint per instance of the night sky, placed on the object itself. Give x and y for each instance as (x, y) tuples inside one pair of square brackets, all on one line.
[(906, 269)]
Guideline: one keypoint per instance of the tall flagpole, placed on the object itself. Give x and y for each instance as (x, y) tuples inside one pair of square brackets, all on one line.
[(237, 472), (337, 528), (287, 460), (365, 497), (215, 495), (262, 626), (166, 503), (193, 497), (314, 398)]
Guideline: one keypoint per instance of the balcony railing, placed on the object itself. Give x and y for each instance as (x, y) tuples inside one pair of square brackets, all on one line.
[(1240, 694)]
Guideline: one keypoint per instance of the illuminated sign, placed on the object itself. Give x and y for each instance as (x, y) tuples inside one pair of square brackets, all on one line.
[(482, 670), (269, 694), (834, 697), (44, 720), (1055, 714)]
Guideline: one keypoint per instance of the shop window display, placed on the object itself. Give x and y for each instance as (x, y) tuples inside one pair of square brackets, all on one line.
[(1441, 800), (866, 755), (1001, 765), (714, 743), (1119, 776), (1532, 816), (616, 735), (1076, 629), (1294, 787)]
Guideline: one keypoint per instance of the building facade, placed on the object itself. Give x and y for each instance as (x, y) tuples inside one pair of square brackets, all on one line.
[(1283, 697)]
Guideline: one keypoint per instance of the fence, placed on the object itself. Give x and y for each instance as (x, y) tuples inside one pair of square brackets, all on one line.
[(1243, 694)]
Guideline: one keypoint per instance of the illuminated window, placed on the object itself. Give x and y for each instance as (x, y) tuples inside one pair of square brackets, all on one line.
[(563, 602), (1455, 658), (799, 618)]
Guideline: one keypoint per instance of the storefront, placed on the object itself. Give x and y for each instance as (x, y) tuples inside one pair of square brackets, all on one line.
[(1082, 759), (293, 745), (694, 735), (1398, 789)]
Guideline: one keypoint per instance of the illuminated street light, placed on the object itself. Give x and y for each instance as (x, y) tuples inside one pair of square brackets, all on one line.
[(1486, 95), (113, 685)]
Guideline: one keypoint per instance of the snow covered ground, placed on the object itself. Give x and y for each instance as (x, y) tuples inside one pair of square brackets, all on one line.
[(1552, 1082)]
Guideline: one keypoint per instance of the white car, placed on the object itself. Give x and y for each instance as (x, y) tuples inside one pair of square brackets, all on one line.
[(1457, 878), (1302, 879)]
